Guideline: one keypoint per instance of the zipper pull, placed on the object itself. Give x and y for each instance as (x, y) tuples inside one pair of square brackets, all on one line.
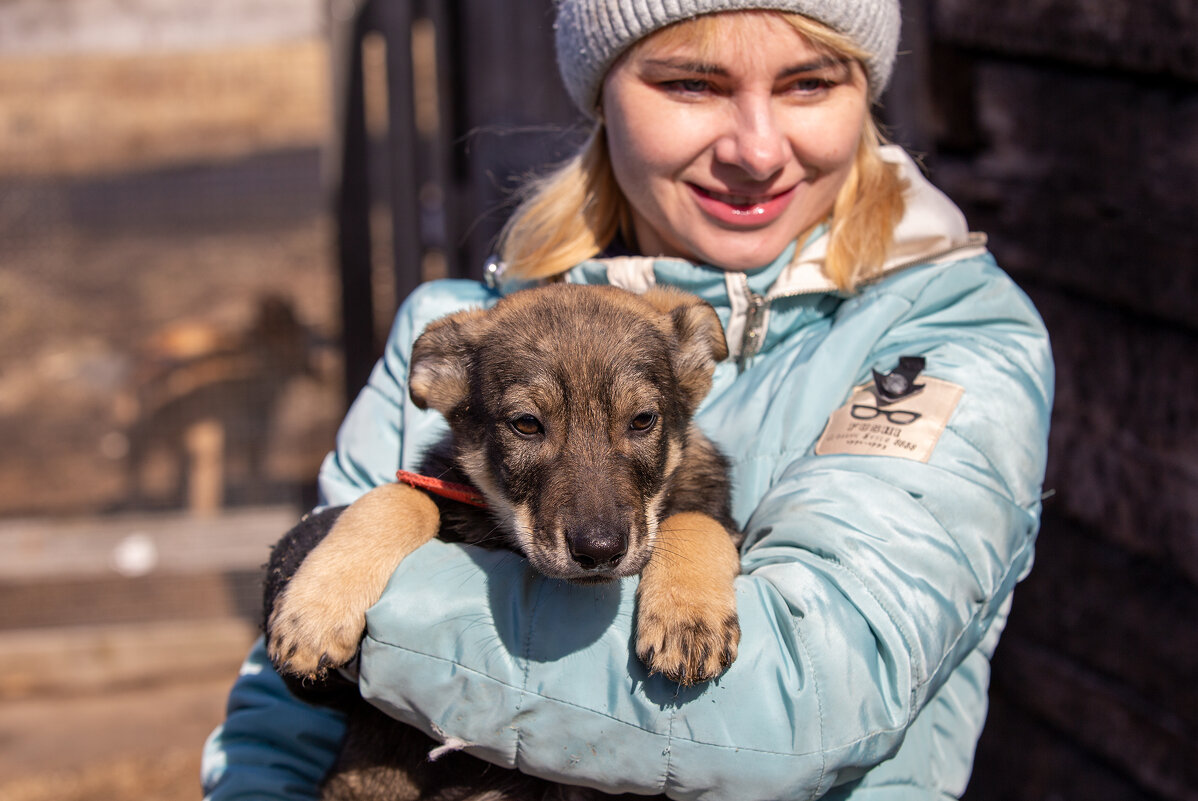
[(754, 329), (492, 269)]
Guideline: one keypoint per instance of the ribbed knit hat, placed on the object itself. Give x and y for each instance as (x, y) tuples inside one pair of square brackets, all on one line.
[(591, 34)]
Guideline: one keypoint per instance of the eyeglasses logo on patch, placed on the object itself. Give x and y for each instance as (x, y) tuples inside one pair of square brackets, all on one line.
[(900, 413), (898, 417)]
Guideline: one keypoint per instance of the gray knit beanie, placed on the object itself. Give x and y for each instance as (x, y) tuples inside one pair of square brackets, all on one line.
[(591, 34)]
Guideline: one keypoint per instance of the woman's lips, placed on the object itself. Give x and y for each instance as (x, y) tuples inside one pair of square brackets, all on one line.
[(747, 211)]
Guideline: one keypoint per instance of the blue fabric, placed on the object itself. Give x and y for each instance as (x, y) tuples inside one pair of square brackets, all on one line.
[(271, 745), (874, 588)]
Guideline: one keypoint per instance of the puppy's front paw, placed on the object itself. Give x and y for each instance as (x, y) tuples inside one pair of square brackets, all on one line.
[(319, 617), (687, 639), (686, 625), (312, 631)]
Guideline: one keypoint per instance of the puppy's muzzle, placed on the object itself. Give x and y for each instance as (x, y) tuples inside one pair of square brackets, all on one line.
[(597, 546)]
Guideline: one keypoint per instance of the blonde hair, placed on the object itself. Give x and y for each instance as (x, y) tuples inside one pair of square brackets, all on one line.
[(575, 211)]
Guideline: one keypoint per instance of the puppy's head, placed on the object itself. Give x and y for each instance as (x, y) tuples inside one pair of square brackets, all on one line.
[(569, 408)]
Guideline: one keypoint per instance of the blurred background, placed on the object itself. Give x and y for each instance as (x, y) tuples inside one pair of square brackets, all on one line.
[(210, 209)]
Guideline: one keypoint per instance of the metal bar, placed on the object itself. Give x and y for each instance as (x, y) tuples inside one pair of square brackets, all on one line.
[(394, 22), (351, 200), (443, 16)]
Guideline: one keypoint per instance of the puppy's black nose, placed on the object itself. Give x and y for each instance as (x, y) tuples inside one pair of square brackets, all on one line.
[(596, 547)]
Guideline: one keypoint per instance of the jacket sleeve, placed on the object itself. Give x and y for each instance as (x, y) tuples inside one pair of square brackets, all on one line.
[(272, 745), (866, 581)]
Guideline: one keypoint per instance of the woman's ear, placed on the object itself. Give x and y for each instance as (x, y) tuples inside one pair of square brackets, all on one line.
[(699, 336), (438, 376)]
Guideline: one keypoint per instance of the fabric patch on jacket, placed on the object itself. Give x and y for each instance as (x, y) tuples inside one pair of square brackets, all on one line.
[(908, 428)]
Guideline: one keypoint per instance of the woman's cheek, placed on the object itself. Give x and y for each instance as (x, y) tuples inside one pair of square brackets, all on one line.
[(832, 141)]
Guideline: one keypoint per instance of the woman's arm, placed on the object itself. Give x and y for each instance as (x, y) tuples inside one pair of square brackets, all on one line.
[(867, 582), (271, 745)]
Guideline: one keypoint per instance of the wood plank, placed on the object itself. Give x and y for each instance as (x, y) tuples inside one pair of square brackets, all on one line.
[(1146, 742), (1020, 756), (1123, 450), (513, 116), (76, 660), (38, 549), (1112, 612), (155, 597), (1099, 204), (38, 26), (1159, 37), (121, 745)]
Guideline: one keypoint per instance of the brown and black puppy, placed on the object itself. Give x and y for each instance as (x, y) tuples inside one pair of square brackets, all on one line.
[(570, 410)]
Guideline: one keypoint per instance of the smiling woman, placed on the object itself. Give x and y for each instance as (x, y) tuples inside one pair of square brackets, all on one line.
[(726, 151), (733, 157), (723, 139)]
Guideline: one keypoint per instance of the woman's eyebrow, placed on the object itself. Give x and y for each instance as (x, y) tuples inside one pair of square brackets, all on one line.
[(707, 68), (686, 65), (823, 63)]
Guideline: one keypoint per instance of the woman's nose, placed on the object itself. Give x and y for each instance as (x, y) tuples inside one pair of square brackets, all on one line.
[(754, 141)]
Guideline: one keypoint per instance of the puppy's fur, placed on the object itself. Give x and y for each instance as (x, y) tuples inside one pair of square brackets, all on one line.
[(570, 409)]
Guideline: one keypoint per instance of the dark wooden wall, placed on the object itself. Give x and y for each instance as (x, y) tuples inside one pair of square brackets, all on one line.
[(1067, 130)]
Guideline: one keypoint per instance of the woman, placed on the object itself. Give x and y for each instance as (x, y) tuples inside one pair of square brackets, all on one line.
[(885, 412)]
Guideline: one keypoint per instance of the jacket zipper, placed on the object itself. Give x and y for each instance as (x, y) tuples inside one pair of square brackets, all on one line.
[(754, 328)]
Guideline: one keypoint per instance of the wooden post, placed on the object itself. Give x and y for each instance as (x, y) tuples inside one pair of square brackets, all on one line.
[(205, 443)]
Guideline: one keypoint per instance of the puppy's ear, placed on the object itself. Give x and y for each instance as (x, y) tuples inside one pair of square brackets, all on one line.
[(700, 339), (439, 373)]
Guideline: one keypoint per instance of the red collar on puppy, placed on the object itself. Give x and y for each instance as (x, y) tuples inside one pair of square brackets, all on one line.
[(446, 489)]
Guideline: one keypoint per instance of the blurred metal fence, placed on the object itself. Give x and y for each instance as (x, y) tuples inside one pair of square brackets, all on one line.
[(441, 107)]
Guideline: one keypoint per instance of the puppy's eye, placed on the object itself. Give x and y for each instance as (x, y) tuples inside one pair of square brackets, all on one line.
[(643, 422), (526, 425)]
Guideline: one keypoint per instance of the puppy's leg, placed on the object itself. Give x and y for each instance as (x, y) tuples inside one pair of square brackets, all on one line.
[(686, 624), (319, 616)]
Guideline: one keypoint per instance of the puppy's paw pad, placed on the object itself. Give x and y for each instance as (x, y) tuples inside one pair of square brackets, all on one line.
[(310, 642), (687, 648)]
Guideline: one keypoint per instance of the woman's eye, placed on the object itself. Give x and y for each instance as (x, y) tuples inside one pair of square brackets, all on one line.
[(643, 422), (527, 426), (688, 85), (810, 86)]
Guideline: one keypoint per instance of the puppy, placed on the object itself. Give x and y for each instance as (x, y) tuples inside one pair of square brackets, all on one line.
[(570, 413)]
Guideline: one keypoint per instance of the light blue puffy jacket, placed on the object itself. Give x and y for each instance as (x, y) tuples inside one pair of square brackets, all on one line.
[(875, 584)]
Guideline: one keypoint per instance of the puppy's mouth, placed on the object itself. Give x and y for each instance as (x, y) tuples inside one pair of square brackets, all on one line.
[(587, 581), (560, 563)]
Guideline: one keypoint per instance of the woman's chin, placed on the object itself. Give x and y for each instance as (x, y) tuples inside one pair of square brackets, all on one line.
[(744, 258)]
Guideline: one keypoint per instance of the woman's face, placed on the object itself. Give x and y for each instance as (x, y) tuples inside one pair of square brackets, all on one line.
[(728, 150)]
